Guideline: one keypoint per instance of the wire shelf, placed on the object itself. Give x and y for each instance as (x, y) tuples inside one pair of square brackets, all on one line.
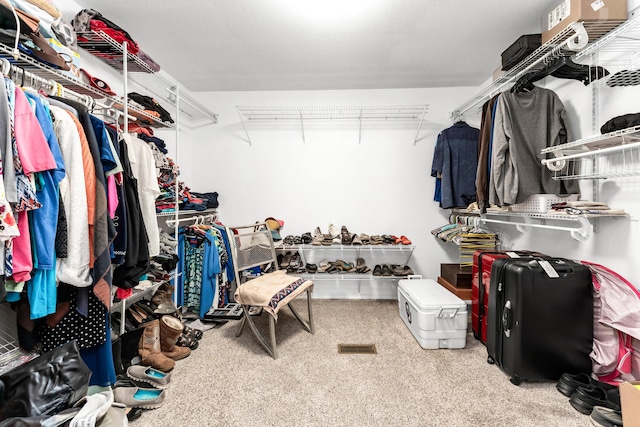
[(100, 44), (598, 142), (325, 113), (347, 112)]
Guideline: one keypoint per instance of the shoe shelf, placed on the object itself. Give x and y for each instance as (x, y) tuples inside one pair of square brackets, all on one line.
[(572, 39), (347, 276), (138, 294), (318, 113)]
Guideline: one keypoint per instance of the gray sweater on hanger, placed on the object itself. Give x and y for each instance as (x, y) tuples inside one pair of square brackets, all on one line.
[(525, 123)]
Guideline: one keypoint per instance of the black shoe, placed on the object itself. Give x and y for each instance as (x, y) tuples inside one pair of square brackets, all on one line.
[(568, 383), (585, 398), (606, 417)]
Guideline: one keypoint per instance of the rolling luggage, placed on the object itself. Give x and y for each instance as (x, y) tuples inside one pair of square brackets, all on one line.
[(480, 277), (520, 49), (540, 322)]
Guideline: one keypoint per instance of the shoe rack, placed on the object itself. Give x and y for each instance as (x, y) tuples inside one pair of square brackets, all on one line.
[(343, 285)]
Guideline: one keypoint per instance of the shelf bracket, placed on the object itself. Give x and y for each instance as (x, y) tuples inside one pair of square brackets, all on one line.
[(304, 141), (582, 232), (424, 111), (244, 126)]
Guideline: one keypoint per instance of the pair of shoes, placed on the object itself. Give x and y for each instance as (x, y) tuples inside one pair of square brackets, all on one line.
[(606, 417), (401, 270), (311, 268), (318, 237), (568, 383), (306, 238), (285, 261), (584, 399), (404, 240), (382, 270)]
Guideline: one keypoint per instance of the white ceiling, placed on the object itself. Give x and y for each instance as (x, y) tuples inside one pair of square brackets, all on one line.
[(238, 45)]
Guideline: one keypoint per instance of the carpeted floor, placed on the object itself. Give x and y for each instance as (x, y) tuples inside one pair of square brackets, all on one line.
[(231, 381)]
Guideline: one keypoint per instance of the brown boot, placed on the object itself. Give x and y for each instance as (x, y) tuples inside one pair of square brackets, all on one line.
[(150, 350), (163, 294), (170, 330)]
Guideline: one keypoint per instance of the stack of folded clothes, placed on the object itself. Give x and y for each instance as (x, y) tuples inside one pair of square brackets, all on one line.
[(583, 207)]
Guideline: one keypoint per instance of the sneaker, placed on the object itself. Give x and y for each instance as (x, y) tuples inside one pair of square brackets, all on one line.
[(605, 417)]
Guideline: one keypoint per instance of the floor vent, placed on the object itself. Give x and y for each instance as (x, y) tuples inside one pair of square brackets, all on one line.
[(357, 349)]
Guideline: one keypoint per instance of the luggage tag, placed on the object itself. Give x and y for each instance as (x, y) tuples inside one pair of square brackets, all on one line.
[(512, 254), (548, 268)]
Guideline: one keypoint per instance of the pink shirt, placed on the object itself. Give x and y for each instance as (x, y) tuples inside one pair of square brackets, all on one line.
[(33, 148)]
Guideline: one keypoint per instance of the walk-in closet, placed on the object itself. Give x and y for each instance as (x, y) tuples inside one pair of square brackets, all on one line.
[(319, 213)]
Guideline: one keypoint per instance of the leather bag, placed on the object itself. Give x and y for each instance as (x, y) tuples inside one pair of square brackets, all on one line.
[(46, 385)]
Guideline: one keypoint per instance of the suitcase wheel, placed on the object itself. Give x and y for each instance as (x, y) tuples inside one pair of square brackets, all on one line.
[(490, 360), (516, 380), (476, 336)]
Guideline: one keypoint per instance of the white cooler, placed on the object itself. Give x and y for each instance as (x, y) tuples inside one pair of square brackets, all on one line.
[(436, 317)]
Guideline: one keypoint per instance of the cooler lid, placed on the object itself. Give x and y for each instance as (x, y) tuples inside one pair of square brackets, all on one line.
[(426, 293)]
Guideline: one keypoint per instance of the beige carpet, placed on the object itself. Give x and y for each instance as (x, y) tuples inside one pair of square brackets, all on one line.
[(231, 381)]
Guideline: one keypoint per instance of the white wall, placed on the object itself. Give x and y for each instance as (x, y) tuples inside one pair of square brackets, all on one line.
[(380, 186)]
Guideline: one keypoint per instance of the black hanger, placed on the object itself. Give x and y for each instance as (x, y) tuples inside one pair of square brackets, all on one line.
[(525, 82)]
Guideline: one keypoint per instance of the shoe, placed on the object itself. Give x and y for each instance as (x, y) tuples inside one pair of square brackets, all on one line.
[(306, 238), (405, 240), (318, 237), (333, 231), (386, 270), (585, 398), (286, 260), (289, 240), (346, 237), (364, 238), (568, 383), (311, 268), (361, 266), (605, 417), (323, 266), (377, 270), (356, 240), (149, 375), (170, 329), (136, 397)]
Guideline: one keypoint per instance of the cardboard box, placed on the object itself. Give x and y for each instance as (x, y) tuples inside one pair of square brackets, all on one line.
[(630, 402), (68, 54), (599, 17)]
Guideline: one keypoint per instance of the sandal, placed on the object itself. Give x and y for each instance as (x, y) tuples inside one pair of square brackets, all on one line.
[(193, 332), (187, 341)]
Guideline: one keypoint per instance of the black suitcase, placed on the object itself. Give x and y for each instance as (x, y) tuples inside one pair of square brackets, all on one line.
[(523, 47), (540, 321)]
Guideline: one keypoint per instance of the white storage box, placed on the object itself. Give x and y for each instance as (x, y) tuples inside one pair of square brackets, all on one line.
[(541, 203), (436, 317)]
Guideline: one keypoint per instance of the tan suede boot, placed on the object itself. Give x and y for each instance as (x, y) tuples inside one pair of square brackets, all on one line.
[(150, 350), (170, 330)]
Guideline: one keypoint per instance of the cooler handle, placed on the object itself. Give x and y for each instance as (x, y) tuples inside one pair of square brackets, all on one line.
[(448, 313)]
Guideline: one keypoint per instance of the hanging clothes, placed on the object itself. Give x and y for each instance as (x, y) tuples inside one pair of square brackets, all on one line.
[(525, 123), (455, 162)]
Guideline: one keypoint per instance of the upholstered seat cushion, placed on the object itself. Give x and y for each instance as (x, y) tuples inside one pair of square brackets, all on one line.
[(271, 291)]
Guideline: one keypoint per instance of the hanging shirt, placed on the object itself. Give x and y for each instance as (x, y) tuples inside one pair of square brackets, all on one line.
[(525, 123), (144, 170), (73, 269), (455, 161)]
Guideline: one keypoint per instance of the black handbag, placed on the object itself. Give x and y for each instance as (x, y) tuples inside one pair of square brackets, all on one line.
[(46, 385)]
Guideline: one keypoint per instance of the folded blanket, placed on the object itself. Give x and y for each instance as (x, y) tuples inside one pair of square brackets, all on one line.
[(271, 291)]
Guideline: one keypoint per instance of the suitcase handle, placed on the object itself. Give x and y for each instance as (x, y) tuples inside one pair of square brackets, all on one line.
[(507, 319), (448, 313)]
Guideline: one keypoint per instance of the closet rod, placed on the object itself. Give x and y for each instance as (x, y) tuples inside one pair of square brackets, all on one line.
[(199, 220)]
